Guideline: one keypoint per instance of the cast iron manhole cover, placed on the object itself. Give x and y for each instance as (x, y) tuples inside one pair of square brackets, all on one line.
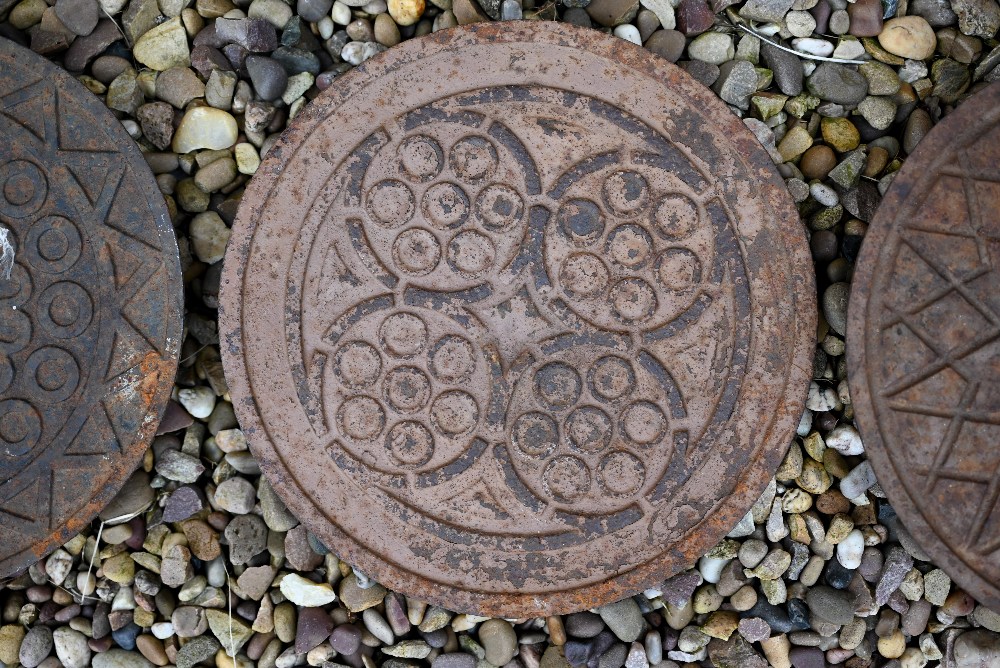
[(924, 344), (90, 307), (518, 318)]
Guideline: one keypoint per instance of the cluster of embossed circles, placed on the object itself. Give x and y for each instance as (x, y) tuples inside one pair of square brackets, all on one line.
[(407, 394), (629, 248), (51, 246), (466, 215), (580, 425)]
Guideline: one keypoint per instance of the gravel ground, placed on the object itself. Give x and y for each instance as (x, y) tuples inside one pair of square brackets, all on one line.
[(198, 562)]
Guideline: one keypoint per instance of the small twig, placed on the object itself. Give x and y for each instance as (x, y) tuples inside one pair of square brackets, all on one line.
[(800, 54)]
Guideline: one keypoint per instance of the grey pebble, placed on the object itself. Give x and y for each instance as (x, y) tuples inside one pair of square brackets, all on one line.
[(247, 537), (35, 646), (313, 10), (585, 624), (838, 83), (623, 618), (268, 76)]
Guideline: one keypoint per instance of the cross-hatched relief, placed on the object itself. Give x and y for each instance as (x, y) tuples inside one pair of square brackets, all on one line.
[(89, 311)]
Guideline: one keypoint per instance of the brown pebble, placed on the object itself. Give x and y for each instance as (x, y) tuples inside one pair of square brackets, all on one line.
[(557, 634), (817, 162), (832, 502), (667, 44), (468, 11), (878, 158), (917, 125), (152, 648), (694, 17), (386, 30)]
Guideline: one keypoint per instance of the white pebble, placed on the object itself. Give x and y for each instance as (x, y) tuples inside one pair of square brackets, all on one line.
[(198, 401), (58, 566), (912, 70), (132, 128), (824, 194), (808, 67), (820, 399), (123, 600), (325, 27), (356, 53), (711, 568), (629, 32), (846, 440), (375, 7), (858, 481), (306, 593), (811, 45), (340, 14), (162, 630), (850, 549), (805, 423)]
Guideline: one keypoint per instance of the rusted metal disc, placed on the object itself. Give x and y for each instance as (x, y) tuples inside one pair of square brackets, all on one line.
[(518, 318), (923, 344), (90, 311)]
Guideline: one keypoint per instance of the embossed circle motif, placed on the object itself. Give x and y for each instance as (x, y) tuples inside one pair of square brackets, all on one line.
[(90, 307), (924, 345), (533, 353)]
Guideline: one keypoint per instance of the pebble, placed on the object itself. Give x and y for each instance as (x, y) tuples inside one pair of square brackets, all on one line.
[(736, 83), (205, 128), (851, 549), (499, 641), (765, 10), (588, 624), (908, 37), (866, 17), (406, 12), (813, 46), (269, 78), (119, 658), (835, 301), (845, 439), (837, 83), (629, 33), (694, 17), (306, 593), (831, 605), (35, 646), (623, 618), (78, 16), (977, 17), (712, 47), (164, 46)]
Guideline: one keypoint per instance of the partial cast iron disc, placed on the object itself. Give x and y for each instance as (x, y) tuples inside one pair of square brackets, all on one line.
[(518, 318), (923, 344), (90, 307)]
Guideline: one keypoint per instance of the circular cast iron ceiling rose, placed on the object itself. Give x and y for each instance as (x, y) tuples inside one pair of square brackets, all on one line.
[(923, 345), (517, 318), (90, 307)]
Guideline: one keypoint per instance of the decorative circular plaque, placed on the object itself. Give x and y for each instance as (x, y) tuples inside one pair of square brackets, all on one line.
[(923, 344), (90, 307), (518, 318)]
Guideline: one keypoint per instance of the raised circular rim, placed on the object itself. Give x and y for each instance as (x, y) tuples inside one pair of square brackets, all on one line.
[(117, 469), (908, 188), (727, 512)]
